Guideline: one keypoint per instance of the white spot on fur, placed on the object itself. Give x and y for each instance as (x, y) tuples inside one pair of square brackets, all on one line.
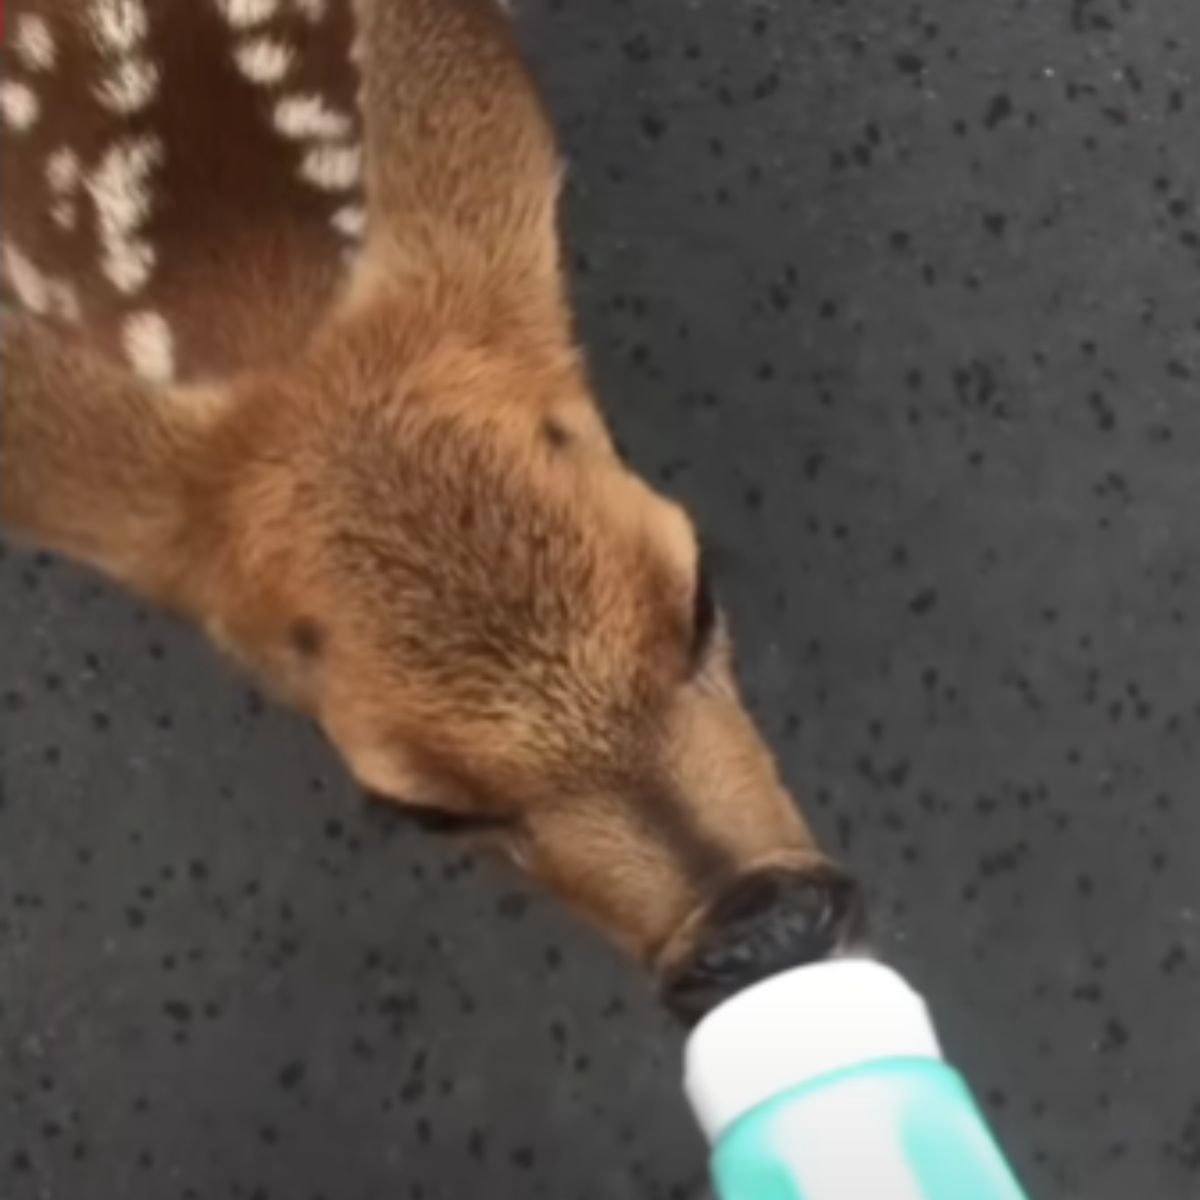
[(39, 293), (128, 264), (264, 60), (63, 170), (245, 14), (131, 86), (120, 184), (120, 26), (332, 168), (29, 284), (63, 300), (120, 190), (350, 220), (34, 43), (150, 346), (65, 214), (20, 104), (313, 10), (63, 174), (309, 117)]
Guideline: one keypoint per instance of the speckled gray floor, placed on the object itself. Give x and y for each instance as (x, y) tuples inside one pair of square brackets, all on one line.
[(904, 298)]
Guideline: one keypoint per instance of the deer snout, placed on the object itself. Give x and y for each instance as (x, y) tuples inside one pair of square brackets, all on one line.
[(766, 921)]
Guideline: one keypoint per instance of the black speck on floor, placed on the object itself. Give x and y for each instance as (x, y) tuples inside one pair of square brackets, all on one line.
[(904, 300)]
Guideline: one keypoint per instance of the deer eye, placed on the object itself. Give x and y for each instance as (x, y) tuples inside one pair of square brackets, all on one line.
[(441, 820), (704, 614)]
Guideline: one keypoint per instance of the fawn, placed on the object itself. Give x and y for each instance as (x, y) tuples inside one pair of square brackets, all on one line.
[(287, 348)]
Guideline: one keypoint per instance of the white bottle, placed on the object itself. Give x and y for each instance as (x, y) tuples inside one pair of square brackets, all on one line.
[(827, 1083)]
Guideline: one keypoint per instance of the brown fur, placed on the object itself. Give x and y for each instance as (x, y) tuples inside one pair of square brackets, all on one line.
[(412, 523)]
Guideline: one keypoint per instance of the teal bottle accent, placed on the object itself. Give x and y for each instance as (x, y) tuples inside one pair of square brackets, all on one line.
[(898, 1129)]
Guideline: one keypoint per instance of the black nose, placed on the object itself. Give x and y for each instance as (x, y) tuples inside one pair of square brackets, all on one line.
[(765, 923)]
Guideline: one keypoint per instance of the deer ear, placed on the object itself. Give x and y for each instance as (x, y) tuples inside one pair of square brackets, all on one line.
[(466, 69), (100, 466)]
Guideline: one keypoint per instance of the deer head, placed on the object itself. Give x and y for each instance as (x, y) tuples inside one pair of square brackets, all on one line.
[(290, 353)]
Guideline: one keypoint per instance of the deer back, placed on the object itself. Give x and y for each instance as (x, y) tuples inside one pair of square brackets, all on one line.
[(186, 179)]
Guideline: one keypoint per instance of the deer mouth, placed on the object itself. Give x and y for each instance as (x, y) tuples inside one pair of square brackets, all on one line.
[(768, 920)]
